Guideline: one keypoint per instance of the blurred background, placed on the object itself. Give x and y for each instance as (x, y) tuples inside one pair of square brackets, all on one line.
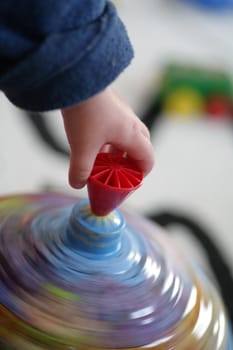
[(180, 83)]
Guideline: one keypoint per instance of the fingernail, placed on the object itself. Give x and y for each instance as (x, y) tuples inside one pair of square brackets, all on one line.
[(77, 185)]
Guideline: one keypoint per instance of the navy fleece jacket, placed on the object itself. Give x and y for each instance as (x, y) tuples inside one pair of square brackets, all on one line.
[(57, 53)]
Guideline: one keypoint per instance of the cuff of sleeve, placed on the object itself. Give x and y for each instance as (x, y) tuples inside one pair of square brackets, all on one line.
[(97, 69)]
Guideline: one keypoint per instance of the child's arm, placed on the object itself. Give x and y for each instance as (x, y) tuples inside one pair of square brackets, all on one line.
[(58, 53), (104, 119)]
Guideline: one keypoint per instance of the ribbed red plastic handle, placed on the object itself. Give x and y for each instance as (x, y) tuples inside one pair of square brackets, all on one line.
[(113, 178)]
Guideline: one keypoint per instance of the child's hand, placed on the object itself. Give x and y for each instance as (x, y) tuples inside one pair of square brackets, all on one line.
[(104, 120)]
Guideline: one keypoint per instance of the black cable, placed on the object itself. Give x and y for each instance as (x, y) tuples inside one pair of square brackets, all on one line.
[(38, 121), (220, 267), (152, 114)]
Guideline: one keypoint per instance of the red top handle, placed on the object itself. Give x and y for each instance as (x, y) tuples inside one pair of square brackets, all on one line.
[(113, 178)]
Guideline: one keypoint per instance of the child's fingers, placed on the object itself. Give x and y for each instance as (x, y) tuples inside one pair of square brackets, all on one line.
[(81, 164), (139, 148), (80, 170), (108, 148), (144, 129), (143, 154), (84, 145), (83, 154)]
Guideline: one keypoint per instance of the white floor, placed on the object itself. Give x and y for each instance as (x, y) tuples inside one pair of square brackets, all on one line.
[(194, 159)]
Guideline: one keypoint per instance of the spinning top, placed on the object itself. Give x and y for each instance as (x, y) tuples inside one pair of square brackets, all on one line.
[(73, 280)]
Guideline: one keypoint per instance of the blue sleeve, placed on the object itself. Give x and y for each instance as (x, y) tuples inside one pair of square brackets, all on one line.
[(57, 53)]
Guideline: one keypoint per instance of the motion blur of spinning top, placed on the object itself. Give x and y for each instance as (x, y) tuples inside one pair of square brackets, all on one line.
[(78, 275)]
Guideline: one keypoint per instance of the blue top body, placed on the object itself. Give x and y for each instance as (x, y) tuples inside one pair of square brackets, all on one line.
[(54, 54)]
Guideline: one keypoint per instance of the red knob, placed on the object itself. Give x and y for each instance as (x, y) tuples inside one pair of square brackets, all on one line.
[(113, 178)]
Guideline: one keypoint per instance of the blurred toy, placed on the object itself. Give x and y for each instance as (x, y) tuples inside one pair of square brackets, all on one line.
[(184, 102), (186, 90), (219, 107)]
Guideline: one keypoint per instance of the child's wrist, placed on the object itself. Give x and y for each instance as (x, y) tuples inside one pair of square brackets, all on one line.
[(92, 101)]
